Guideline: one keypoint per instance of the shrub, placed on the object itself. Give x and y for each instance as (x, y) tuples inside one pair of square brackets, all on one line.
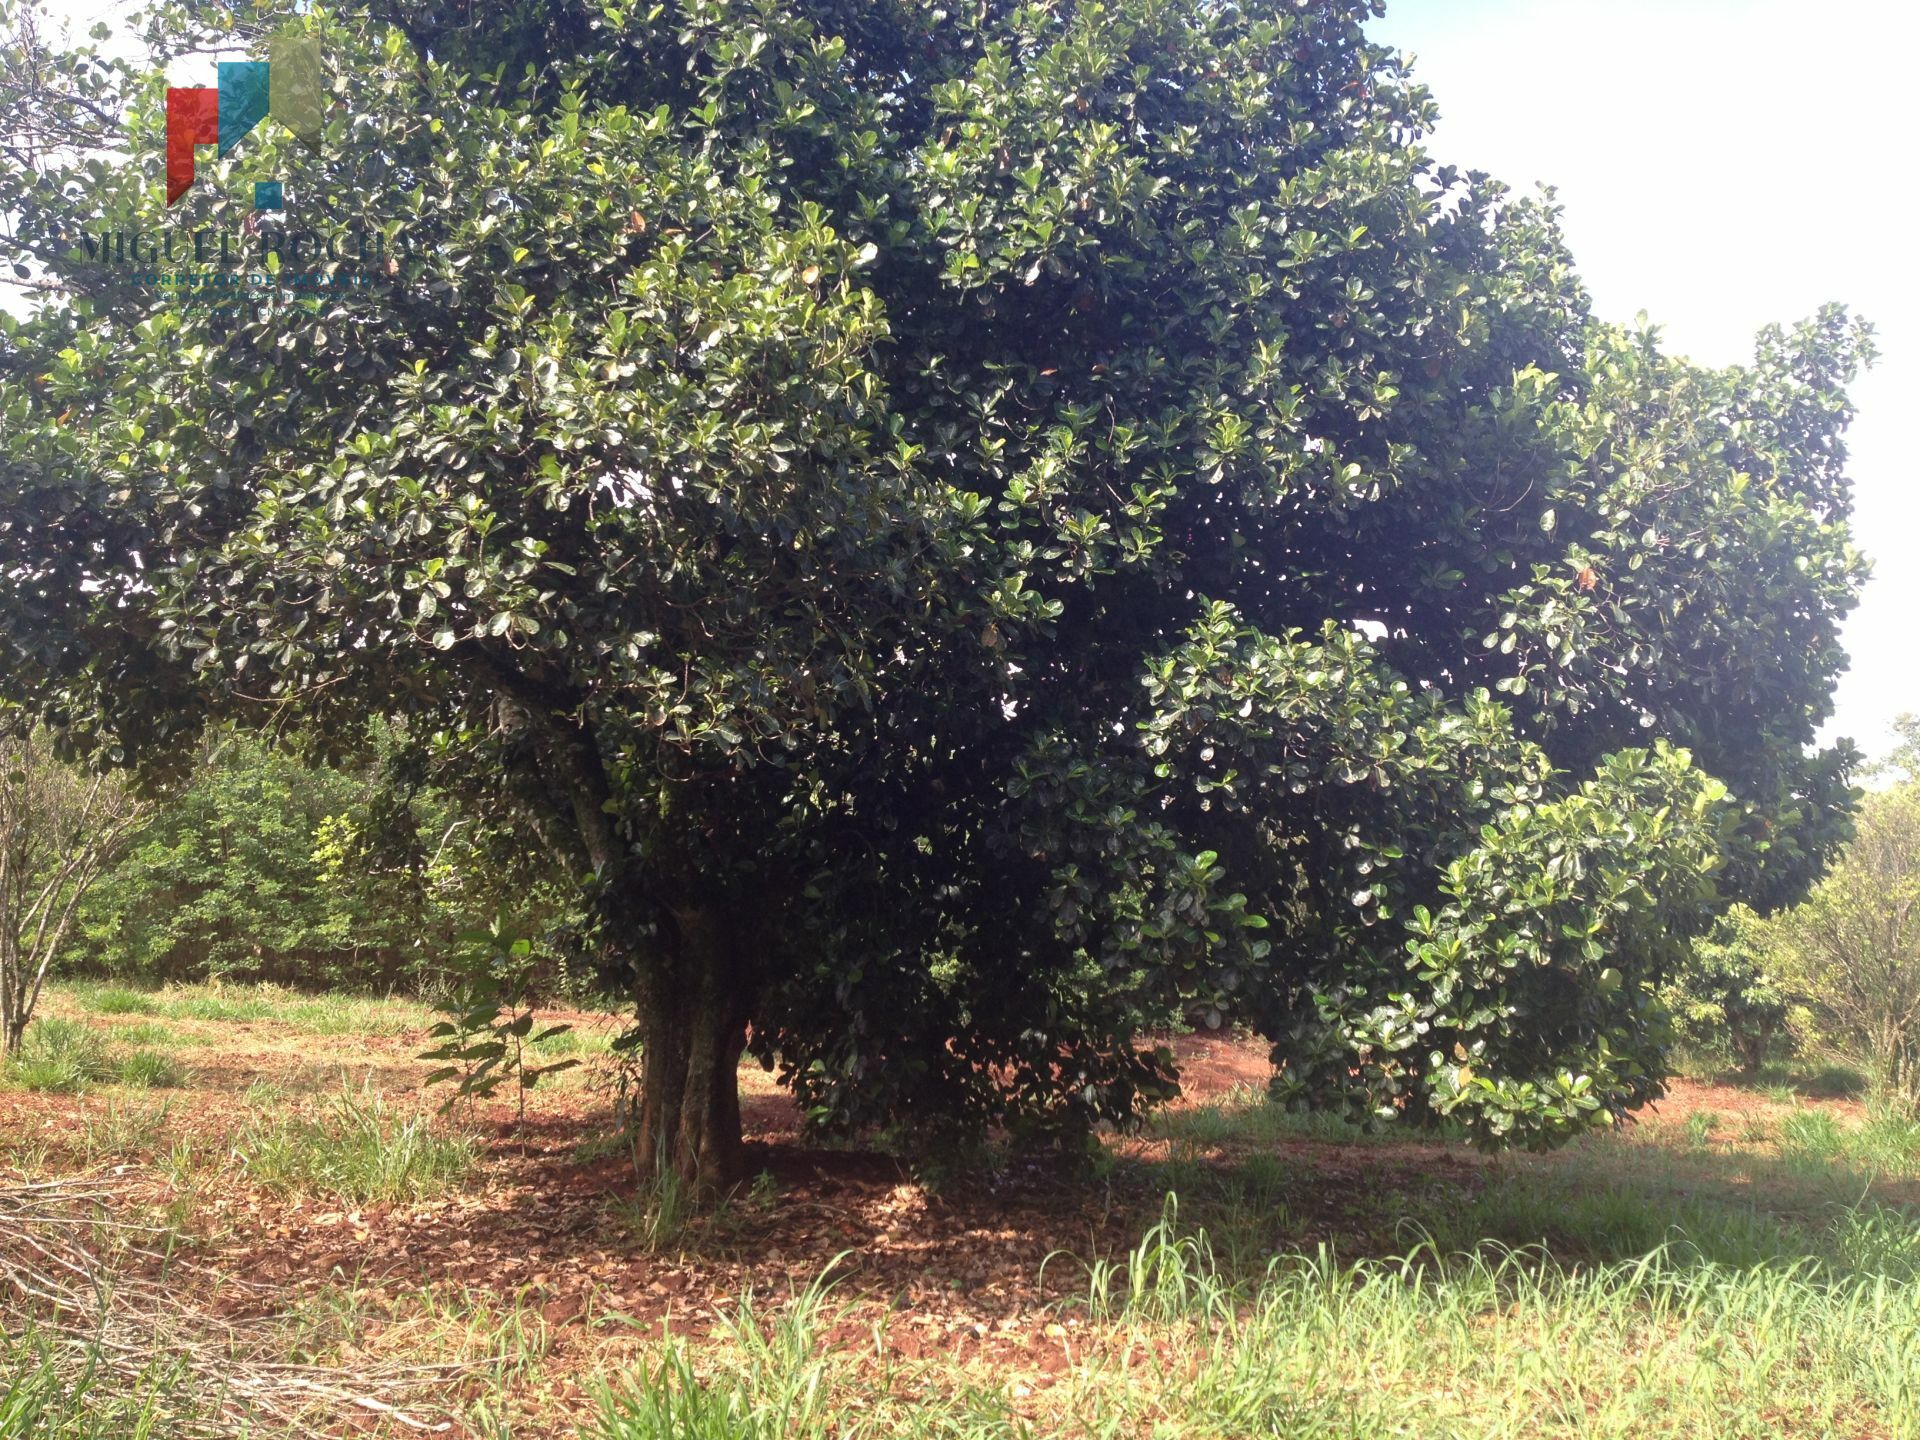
[(1854, 947), (1724, 999)]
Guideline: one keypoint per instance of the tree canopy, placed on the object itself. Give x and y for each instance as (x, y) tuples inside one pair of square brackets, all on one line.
[(969, 531)]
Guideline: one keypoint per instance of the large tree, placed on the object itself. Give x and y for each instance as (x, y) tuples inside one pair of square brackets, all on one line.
[(965, 529)]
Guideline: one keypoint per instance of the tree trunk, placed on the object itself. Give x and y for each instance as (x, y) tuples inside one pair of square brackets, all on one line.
[(694, 1002), (13, 1024)]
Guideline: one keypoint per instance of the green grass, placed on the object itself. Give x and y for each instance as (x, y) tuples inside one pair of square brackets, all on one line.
[(1886, 1144), (66, 1057), (659, 1211), (108, 999), (573, 1042), (59, 1057), (1660, 1283), (41, 1399), (231, 1002), (778, 1387), (1812, 1135), (1168, 1342), (1782, 1082), (152, 1034), (357, 1149), (264, 1095), (1700, 1127), (325, 1013), (355, 1015), (447, 1323), (1723, 1276), (123, 1131), (149, 1070), (1245, 1116), (220, 1006)]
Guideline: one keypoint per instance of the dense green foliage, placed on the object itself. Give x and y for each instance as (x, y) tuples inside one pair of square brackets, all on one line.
[(1724, 998), (264, 867), (966, 531), (240, 874), (1853, 948)]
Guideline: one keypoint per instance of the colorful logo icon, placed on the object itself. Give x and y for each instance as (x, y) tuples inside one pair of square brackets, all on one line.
[(289, 85)]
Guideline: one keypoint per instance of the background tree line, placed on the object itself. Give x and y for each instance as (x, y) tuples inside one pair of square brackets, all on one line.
[(262, 866)]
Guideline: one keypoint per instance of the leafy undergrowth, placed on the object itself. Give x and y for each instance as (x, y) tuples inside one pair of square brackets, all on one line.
[(1741, 1262)]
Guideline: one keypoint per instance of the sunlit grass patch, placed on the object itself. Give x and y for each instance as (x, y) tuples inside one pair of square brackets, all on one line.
[(574, 1041), (1811, 1135), (223, 1005), (448, 1324), (112, 999), (123, 1130), (1167, 1342), (58, 1056), (153, 1034), (229, 1002), (333, 1014), (1700, 1127), (1888, 1143), (149, 1070), (1818, 1079), (264, 1095), (1245, 1117), (356, 1148)]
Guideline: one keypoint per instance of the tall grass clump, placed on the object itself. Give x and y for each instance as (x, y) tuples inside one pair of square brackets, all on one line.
[(775, 1382), (659, 1211), (250, 1003), (357, 1148), (58, 1056), (149, 1070), (1505, 1343), (338, 1014), (143, 1033), (41, 1399), (1888, 1143)]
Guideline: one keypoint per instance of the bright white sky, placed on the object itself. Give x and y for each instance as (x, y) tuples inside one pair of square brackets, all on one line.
[(1723, 164)]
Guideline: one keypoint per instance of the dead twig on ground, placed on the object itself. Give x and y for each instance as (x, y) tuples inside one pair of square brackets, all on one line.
[(74, 1273)]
